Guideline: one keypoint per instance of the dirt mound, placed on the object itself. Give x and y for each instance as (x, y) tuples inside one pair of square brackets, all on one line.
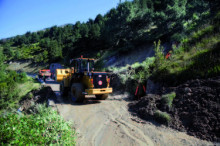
[(36, 96), (115, 83), (146, 106), (195, 109)]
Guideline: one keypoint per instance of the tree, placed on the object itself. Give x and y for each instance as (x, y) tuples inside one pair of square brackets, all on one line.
[(76, 30), (45, 43), (55, 51), (34, 37), (2, 58), (94, 31), (99, 19), (45, 56), (17, 54), (7, 50), (143, 4), (84, 30), (159, 57)]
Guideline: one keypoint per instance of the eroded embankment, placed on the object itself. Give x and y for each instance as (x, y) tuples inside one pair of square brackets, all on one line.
[(195, 109), (37, 97)]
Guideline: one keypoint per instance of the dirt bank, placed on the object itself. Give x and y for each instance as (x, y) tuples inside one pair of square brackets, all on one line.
[(195, 109), (37, 96), (26, 66)]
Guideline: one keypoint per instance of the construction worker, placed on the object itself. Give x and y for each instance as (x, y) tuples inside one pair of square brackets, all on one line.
[(168, 54), (140, 91)]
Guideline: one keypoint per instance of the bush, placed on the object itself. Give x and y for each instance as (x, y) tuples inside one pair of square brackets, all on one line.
[(168, 99), (162, 117), (44, 128), (17, 77), (9, 88)]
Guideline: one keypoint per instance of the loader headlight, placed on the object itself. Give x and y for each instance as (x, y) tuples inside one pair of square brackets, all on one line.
[(100, 83)]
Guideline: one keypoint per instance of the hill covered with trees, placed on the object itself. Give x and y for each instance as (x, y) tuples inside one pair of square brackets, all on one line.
[(123, 28)]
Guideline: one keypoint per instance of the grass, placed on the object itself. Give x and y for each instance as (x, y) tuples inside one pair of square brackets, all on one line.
[(200, 60), (168, 98), (16, 93), (44, 127), (163, 117), (28, 86)]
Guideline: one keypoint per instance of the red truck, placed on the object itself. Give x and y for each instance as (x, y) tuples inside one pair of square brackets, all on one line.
[(44, 74)]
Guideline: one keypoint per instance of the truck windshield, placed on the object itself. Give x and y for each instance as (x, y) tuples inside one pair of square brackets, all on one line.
[(86, 63)]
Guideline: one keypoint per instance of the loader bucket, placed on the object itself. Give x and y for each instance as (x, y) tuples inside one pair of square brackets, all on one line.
[(62, 73)]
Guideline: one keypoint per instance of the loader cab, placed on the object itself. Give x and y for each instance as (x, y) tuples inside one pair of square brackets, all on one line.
[(82, 65)]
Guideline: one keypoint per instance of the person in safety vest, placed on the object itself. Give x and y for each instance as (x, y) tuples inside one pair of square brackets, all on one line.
[(140, 91), (168, 54)]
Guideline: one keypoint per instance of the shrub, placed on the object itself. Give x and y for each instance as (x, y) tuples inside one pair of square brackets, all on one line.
[(44, 128), (22, 77), (159, 56), (162, 117), (168, 98)]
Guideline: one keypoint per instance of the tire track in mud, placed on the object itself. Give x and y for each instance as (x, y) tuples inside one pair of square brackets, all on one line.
[(131, 130)]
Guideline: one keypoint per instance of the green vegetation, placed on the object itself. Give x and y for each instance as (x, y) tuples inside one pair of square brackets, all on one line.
[(163, 117), (168, 99), (197, 56), (193, 25), (137, 71), (13, 86), (120, 30), (44, 127)]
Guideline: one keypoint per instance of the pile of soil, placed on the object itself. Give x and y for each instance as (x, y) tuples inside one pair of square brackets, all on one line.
[(115, 83), (36, 97), (195, 109)]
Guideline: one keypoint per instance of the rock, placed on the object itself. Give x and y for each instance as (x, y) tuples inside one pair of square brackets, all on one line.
[(50, 102), (189, 94), (187, 90)]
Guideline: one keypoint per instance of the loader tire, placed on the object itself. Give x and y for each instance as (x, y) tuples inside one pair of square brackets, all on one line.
[(63, 90), (76, 92), (101, 96)]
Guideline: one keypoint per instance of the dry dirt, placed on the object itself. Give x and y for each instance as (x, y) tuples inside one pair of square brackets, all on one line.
[(110, 123)]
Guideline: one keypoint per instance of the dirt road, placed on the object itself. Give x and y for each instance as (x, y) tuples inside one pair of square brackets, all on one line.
[(110, 123)]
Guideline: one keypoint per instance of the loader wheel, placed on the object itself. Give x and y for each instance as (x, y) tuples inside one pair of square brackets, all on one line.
[(76, 92), (101, 96), (63, 90)]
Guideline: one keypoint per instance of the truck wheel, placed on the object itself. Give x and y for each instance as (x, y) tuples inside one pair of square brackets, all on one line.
[(76, 92), (63, 90), (102, 96)]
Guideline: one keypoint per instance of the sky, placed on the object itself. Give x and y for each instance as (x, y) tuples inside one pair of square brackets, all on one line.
[(19, 16)]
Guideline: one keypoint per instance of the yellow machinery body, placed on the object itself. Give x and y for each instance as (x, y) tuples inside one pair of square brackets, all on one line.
[(67, 77)]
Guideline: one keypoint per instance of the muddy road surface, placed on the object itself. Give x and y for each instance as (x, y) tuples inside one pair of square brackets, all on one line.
[(109, 123)]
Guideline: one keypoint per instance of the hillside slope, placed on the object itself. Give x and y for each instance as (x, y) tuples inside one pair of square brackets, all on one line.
[(122, 29)]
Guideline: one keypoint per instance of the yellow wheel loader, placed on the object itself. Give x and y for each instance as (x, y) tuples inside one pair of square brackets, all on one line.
[(81, 80)]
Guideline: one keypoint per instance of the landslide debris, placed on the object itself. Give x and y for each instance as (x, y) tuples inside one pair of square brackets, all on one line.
[(36, 96), (195, 109)]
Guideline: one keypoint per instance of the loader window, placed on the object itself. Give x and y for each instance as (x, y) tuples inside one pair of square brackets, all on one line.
[(84, 65), (75, 65), (87, 63)]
